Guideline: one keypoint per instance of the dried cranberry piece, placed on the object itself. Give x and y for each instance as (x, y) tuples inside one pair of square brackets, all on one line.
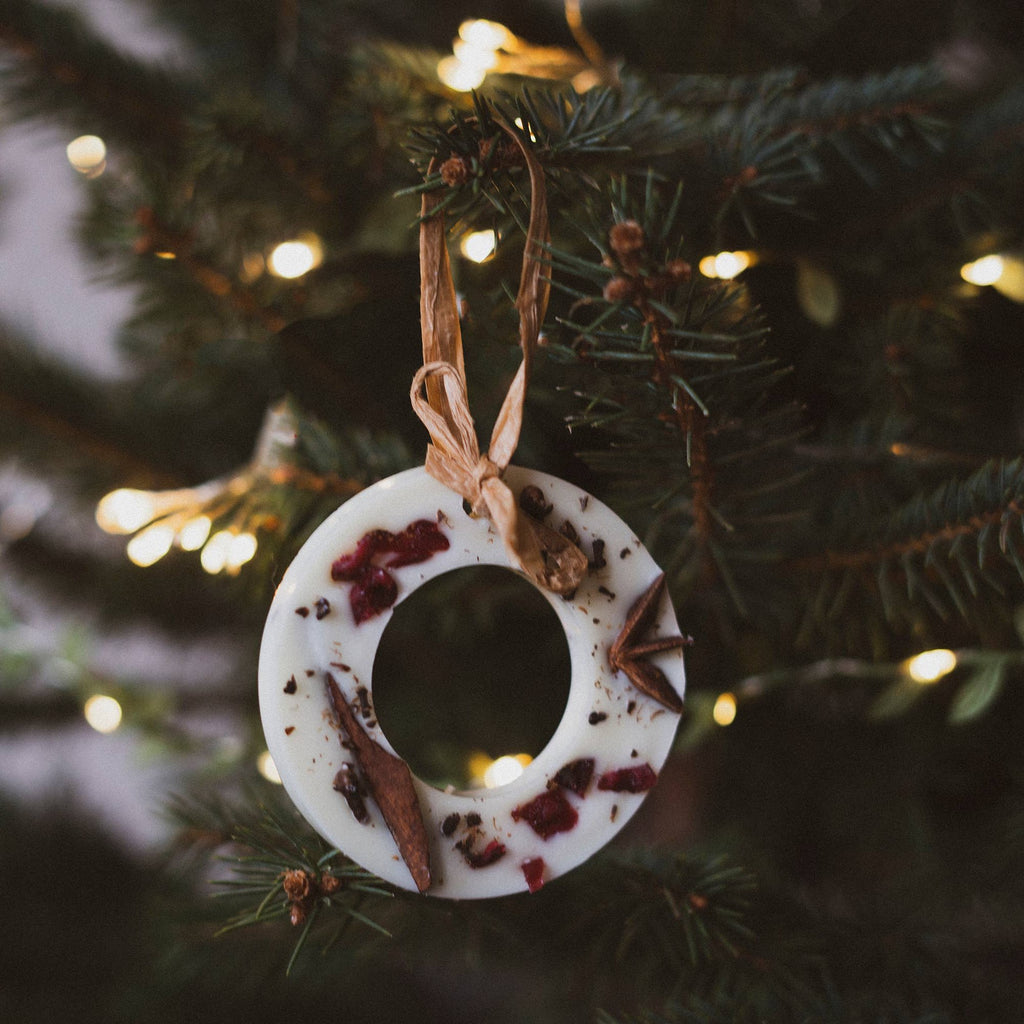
[(636, 779), (372, 592), (533, 872), (416, 543), (576, 775), (348, 567), (547, 813), (492, 852)]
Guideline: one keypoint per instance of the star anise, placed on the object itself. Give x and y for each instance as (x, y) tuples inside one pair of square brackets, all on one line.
[(628, 654)]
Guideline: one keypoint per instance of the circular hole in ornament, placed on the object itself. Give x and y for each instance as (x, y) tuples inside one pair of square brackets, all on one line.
[(473, 666)]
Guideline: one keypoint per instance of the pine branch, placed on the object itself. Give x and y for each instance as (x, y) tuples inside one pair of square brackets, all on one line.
[(942, 550)]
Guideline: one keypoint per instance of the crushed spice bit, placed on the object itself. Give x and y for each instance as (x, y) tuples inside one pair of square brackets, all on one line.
[(533, 502), (302, 611), (291, 686), (597, 717), (575, 775), (450, 823), (323, 608), (473, 819), (491, 853), (598, 559), (347, 783), (289, 729)]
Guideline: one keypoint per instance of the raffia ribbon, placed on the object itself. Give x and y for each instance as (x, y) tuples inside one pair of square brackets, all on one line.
[(453, 457)]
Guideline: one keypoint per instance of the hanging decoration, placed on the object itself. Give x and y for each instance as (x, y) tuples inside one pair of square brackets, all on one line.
[(467, 508)]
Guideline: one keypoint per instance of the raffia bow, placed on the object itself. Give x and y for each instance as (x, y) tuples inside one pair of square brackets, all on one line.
[(454, 457)]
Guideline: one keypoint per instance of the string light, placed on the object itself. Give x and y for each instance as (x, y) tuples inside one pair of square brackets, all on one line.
[(724, 711), (266, 767), (150, 545), (726, 265), (88, 155), (103, 713), (930, 666), (194, 533), (984, 271), (478, 246), (185, 517), (296, 257), (459, 76), (505, 769), (486, 35)]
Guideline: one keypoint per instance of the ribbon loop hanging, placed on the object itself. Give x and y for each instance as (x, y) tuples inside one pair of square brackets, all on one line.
[(454, 456)]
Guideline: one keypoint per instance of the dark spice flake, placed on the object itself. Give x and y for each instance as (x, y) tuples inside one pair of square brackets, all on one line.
[(291, 686), (323, 608), (450, 823), (597, 717), (575, 775)]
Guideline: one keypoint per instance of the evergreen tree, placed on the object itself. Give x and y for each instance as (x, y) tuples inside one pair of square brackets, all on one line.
[(787, 300)]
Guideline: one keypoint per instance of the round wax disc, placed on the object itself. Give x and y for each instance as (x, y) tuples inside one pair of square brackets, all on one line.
[(316, 692)]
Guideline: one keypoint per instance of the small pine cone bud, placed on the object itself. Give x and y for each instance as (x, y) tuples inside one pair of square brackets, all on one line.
[(298, 885), (626, 238), (298, 913), (620, 289), (454, 171), (329, 884), (679, 270)]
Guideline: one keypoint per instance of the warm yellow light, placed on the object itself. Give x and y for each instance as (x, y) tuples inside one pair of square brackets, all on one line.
[(725, 265), (724, 712), (296, 257), (475, 56), (88, 155), (459, 76), (103, 713), (485, 35), (478, 246), (506, 769), (266, 767), (239, 551), (986, 270), (149, 546), (193, 534), (930, 666), (215, 553), (126, 510)]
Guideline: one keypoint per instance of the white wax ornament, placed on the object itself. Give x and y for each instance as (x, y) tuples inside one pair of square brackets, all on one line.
[(572, 798)]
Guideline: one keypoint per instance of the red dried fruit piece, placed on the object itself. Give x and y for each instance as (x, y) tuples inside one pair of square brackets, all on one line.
[(634, 779), (416, 543), (492, 852), (576, 775), (547, 813), (374, 591), (347, 568), (533, 872)]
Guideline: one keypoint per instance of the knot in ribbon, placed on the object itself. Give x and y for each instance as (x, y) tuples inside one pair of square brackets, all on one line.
[(454, 457)]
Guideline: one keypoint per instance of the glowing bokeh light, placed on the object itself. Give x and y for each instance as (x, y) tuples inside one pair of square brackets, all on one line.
[(506, 769), (103, 713), (149, 546), (984, 271), (214, 556), (296, 257), (459, 76), (266, 767), (241, 550), (88, 155), (725, 265), (478, 246), (930, 666), (724, 712), (125, 510), (193, 534), (485, 35)]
